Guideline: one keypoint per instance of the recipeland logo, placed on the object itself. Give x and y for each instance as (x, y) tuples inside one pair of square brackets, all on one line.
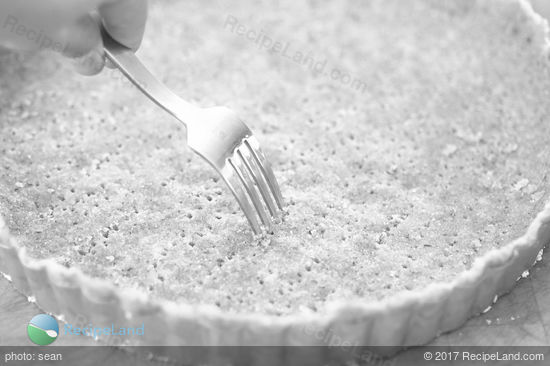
[(43, 329), (96, 332)]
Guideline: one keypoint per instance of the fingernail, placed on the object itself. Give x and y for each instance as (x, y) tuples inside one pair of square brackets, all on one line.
[(90, 64)]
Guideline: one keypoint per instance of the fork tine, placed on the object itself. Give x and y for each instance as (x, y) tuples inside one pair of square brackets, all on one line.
[(237, 164), (265, 167), (228, 174), (246, 155)]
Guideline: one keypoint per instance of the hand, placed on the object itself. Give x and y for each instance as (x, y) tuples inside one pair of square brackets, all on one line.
[(72, 27)]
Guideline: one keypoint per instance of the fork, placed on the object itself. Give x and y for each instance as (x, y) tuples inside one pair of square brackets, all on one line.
[(216, 134)]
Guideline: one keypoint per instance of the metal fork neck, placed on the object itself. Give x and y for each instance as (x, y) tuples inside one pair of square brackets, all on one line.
[(134, 70)]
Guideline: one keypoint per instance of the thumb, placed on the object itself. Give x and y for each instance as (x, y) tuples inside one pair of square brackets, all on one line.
[(125, 20), (83, 44)]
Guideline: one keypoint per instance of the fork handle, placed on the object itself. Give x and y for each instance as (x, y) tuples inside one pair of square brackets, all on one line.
[(129, 64)]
